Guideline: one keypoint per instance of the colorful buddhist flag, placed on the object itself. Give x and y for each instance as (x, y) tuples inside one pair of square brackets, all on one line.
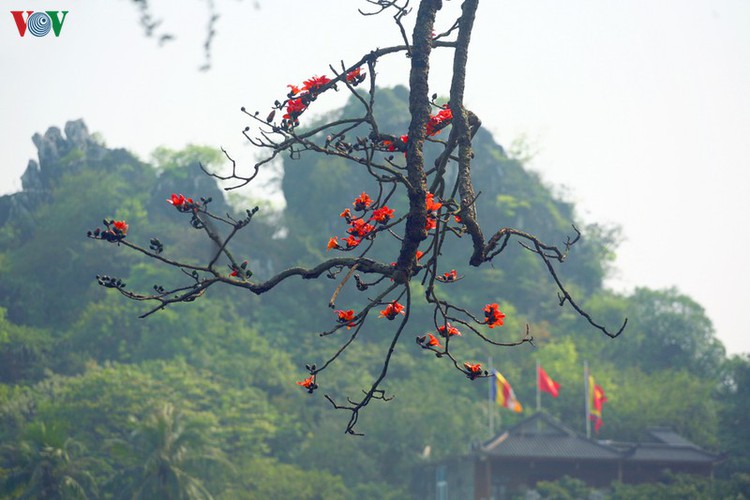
[(503, 393), (546, 384), (596, 402)]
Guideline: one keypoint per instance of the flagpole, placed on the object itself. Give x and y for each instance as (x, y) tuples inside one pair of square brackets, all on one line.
[(587, 396), (490, 407), (538, 392)]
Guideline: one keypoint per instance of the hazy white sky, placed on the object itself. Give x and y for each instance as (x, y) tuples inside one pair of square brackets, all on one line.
[(640, 110)]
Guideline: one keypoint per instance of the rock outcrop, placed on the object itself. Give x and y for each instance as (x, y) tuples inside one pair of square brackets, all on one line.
[(58, 154)]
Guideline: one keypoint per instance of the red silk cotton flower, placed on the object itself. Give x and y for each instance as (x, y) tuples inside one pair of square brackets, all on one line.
[(360, 228), (179, 201), (346, 317), (392, 310), (473, 370), (398, 145), (362, 202), (309, 384), (439, 121), (352, 242), (430, 204), (314, 83), (332, 243), (120, 227), (451, 276), (494, 317), (294, 108), (429, 340), (382, 214), (355, 77), (353, 74), (452, 330)]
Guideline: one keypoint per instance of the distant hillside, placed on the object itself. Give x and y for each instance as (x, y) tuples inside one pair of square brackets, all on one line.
[(76, 363)]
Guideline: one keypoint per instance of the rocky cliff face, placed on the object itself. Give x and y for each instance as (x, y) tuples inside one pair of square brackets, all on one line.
[(72, 150), (57, 155)]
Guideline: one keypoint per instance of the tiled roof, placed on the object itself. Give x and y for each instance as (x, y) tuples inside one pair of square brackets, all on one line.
[(541, 436), (668, 436), (652, 452)]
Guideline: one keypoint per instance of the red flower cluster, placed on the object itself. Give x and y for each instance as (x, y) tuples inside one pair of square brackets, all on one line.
[(115, 232), (473, 371), (448, 277), (362, 202), (120, 227), (392, 310), (181, 203), (432, 207), (429, 340), (314, 84), (430, 204), (300, 99), (494, 317), (346, 317), (352, 242), (294, 108), (439, 121), (398, 145), (333, 243), (309, 384), (382, 214), (361, 227), (452, 330), (355, 77), (357, 232), (435, 124)]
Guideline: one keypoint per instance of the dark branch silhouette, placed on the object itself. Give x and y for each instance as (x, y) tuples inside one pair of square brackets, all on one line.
[(439, 207)]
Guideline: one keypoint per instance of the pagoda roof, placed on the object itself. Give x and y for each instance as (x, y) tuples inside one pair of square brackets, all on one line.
[(663, 444), (542, 436)]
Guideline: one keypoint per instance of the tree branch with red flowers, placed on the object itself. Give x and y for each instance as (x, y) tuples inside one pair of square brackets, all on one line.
[(439, 207)]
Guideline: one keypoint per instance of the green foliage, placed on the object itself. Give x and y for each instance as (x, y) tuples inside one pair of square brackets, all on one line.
[(164, 158), (734, 414), (264, 478), (667, 330), (49, 271), (24, 351), (674, 398), (672, 487), (565, 488), (168, 452), (677, 487), (45, 463), (218, 375)]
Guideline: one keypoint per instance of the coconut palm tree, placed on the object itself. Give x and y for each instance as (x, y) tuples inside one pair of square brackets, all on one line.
[(47, 464), (168, 449)]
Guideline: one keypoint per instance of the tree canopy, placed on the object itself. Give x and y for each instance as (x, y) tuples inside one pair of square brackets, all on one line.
[(213, 372)]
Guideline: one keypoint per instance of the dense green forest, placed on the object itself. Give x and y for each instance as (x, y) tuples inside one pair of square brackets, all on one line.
[(200, 400)]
